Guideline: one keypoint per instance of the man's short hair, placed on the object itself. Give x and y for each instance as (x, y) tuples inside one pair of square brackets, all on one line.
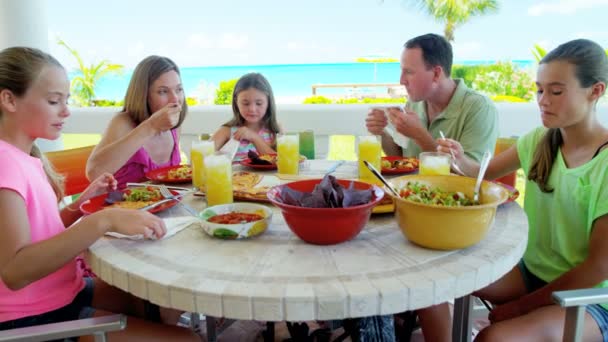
[(436, 50)]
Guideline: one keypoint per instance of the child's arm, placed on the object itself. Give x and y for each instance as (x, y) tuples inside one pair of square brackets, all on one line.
[(121, 140), (248, 134), (589, 273), (23, 262), (103, 184), (221, 137)]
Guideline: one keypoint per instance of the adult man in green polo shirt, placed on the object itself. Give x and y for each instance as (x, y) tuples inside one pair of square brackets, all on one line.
[(435, 103)]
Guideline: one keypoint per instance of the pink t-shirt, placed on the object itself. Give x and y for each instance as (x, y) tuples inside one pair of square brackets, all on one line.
[(24, 175), (140, 163)]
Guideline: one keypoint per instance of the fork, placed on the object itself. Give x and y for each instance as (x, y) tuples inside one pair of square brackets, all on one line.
[(168, 195), (454, 165)]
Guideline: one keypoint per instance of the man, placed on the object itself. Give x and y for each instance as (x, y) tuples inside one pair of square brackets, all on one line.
[(436, 103)]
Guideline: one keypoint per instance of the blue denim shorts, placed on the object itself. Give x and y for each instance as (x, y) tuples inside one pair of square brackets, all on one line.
[(599, 314), (79, 308)]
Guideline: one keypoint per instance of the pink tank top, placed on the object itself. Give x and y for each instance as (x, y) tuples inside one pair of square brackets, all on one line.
[(140, 163)]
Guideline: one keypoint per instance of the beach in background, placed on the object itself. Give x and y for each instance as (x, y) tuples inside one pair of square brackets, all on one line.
[(291, 83)]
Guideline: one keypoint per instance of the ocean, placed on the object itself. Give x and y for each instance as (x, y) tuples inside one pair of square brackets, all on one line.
[(287, 80)]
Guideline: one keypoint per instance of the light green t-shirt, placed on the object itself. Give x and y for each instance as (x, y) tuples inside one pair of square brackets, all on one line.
[(560, 222), (469, 118)]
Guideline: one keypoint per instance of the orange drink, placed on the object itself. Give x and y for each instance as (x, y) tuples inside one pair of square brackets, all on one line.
[(503, 144), (435, 163), (200, 149), (370, 149), (218, 187), (288, 153)]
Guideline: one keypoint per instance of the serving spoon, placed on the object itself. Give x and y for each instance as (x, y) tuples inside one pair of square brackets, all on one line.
[(382, 179), (483, 166)]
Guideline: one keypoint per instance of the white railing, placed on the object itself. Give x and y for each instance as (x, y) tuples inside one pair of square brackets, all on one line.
[(515, 119)]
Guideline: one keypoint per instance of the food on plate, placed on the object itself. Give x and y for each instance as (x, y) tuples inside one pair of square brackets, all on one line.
[(136, 198), (182, 172), (261, 159), (236, 217), (422, 193), (404, 163), (327, 194)]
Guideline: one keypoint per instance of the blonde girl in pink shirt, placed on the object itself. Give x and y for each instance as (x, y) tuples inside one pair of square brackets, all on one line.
[(39, 279)]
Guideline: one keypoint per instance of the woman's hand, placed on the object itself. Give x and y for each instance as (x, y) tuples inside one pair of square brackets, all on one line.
[(165, 118), (101, 185), (132, 222), (245, 133), (451, 146)]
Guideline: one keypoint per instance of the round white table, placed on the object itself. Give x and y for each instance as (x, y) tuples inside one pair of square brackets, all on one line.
[(278, 277)]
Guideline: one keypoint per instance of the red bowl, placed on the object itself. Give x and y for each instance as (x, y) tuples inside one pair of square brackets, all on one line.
[(325, 226)]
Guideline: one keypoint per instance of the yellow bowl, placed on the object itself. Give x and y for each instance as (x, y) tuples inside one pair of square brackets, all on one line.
[(441, 227)]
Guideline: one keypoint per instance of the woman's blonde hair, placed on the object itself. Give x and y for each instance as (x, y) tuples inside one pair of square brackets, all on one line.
[(145, 73), (591, 64), (19, 68)]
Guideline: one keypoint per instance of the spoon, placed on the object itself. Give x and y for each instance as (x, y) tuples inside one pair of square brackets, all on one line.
[(456, 168), (483, 166), (379, 176)]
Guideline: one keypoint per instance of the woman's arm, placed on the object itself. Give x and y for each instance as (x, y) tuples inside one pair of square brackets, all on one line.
[(119, 142), (23, 262), (592, 271)]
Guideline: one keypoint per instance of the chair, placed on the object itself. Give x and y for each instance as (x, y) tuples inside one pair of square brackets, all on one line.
[(72, 164), (97, 326), (575, 301), (503, 144)]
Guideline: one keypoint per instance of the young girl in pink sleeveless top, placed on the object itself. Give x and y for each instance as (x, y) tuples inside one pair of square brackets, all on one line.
[(254, 124), (145, 135)]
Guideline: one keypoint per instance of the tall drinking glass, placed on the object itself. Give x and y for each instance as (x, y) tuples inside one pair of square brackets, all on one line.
[(307, 144), (218, 169), (503, 144), (435, 163), (288, 153), (199, 150), (370, 149)]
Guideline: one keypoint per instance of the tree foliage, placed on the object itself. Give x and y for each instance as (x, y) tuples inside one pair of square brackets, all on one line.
[(83, 85)]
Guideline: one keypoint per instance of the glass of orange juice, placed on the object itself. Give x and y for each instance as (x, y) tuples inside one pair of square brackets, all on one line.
[(435, 163), (200, 149), (218, 187), (288, 153), (370, 149)]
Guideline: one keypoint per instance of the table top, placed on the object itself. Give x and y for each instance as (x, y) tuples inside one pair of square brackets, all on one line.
[(277, 276)]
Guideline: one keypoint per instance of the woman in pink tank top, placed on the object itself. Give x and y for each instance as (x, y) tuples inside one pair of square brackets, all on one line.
[(145, 135), (254, 124)]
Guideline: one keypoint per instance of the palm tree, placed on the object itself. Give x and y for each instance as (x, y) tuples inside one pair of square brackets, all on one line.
[(453, 13), (83, 85)]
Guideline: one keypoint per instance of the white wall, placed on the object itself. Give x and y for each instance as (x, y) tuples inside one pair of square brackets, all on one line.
[(515, 120)]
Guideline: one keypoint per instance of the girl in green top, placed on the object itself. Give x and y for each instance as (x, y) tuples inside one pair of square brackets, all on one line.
[(566, 164)]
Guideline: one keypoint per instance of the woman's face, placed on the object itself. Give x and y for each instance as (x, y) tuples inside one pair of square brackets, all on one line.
[(164, 90), (561, 99), (252, 105)]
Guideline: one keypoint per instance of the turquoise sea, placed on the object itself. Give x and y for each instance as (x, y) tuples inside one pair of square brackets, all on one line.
[(285, 79)]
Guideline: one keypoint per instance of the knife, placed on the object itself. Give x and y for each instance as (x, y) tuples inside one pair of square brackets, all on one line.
[(156, 204)]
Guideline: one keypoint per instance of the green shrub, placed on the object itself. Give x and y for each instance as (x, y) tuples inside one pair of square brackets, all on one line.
[(223, 94), (192, 101), (506, 98), (107, 103), (317, 99), (505, 79)]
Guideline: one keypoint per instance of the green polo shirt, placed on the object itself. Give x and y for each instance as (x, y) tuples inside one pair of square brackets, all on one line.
[(470, 118)]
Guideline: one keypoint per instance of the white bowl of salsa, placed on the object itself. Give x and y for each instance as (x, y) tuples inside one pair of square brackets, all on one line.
[(236, 220)]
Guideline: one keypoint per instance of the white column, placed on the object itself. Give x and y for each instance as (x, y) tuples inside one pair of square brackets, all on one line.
[(24, 23)]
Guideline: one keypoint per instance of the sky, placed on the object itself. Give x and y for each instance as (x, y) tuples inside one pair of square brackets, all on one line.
[(245, 32)]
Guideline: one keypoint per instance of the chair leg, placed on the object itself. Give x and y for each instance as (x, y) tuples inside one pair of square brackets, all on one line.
[(404, 332)]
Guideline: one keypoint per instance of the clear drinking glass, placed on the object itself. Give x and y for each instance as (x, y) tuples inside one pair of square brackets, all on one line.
[(370, 149), (435, 163), (198, 152), (218, 169), (288, 153), (307, 144)]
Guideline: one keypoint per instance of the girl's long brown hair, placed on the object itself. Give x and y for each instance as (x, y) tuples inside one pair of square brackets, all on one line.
[(19, 67), (591, 66)]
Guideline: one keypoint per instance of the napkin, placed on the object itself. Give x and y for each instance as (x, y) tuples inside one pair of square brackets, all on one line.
[(174, 225)]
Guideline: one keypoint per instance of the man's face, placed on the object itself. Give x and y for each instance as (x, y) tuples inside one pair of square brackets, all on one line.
[(417, 78)]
